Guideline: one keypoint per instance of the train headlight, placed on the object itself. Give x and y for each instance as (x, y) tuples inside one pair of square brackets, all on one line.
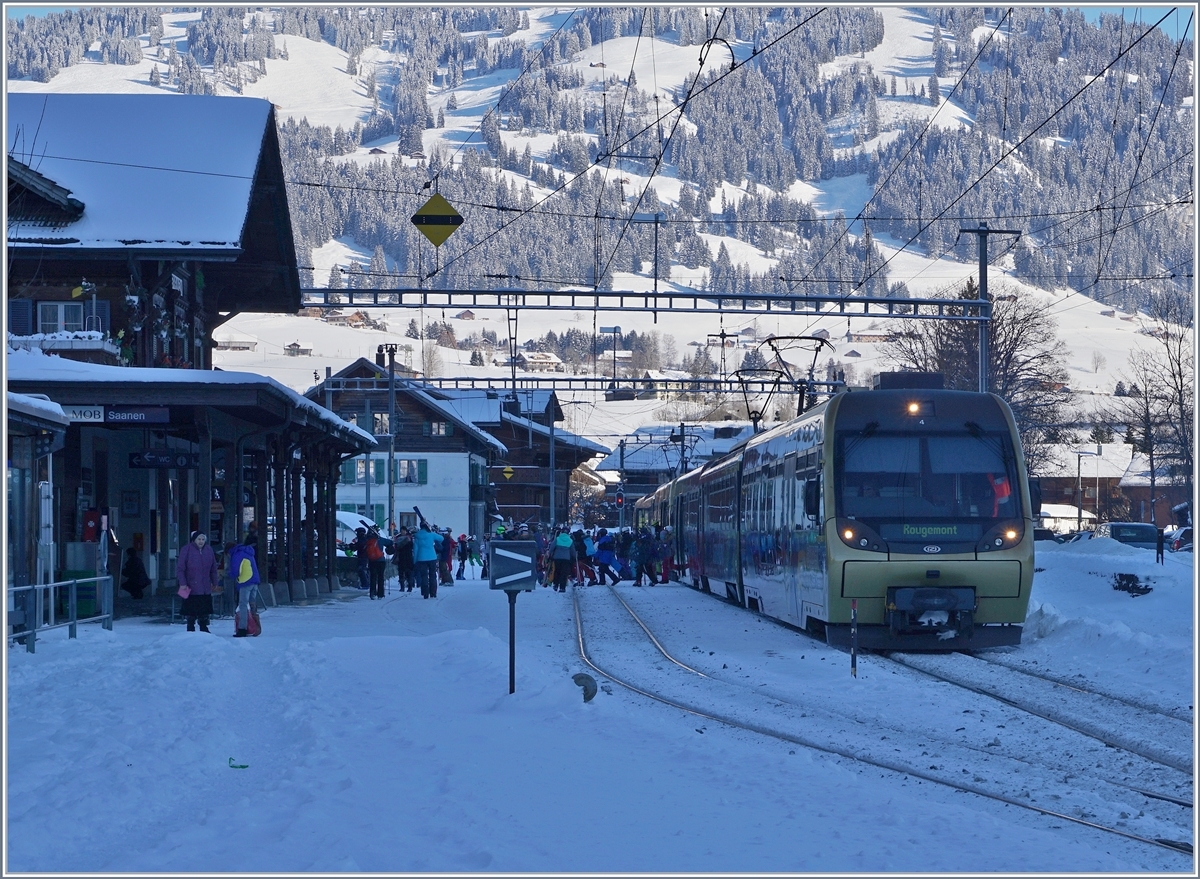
[(856, 535), (1004, 536)]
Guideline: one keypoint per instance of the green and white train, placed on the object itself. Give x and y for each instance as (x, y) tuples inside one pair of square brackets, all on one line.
[(912, 503)]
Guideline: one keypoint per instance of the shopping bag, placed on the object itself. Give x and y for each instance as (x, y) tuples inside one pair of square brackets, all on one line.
[(184, 591)]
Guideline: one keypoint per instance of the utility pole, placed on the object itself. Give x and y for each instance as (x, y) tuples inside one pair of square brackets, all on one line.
[(621, 472), (391, 522), (550, 405), (367, 458), (983, 231)]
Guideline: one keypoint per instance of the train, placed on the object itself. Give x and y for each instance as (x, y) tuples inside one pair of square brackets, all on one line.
[(906, 506)]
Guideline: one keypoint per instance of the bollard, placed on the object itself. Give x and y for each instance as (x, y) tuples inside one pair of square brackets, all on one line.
[(854, 637)]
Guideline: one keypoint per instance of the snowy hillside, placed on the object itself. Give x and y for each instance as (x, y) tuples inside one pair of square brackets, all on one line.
[(312, 83)]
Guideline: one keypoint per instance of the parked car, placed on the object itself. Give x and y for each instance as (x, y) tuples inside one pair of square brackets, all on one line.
[(1139, 534), (1181, 540), (1046, 534), (1076, 536)]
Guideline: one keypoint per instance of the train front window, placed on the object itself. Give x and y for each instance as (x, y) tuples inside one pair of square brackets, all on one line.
[(910, 487)]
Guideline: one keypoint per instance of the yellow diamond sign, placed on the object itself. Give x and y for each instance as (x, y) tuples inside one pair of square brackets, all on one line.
[(436, 219), (508, 472)]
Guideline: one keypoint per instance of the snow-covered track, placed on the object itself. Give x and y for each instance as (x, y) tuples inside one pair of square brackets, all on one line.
[(702, 695), (1093, 687), (1154, 736)]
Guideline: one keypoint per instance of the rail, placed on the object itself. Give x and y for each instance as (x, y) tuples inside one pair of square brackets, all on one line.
[(39, 610)]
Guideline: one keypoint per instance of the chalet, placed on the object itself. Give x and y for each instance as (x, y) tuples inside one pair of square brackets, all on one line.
[(853, 353), (655, 453), (294, 350), (144, 281), (539, 361), (132, 250), (376, 151), (235, 344), (440, 459), (540, 455), (465, 315)]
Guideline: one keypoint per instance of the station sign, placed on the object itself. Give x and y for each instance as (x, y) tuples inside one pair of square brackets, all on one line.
[(95, 413), (85, 412), (137, 414)]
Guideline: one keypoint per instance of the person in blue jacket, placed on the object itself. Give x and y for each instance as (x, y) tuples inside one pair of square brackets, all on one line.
[(606, 556), (243, 569), (425, 559)]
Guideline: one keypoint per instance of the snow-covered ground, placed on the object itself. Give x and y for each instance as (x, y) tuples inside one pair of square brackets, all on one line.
[(361, 736)]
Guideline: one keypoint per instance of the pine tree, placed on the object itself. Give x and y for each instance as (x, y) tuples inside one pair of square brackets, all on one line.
[(155, 76), (413, 331)]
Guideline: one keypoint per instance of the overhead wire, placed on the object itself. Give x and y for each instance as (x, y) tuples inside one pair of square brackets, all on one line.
[(677, 108), (1020, 143), (912, 146)]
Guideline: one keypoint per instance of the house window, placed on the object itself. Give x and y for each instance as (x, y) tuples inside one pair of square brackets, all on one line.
[(54, 317), (440, 428), (412, 472), (381, 424), (350, 417)]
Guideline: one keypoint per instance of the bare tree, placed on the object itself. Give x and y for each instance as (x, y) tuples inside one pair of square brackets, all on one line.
[(1025, 365), (1172, 315), (1144, 414)]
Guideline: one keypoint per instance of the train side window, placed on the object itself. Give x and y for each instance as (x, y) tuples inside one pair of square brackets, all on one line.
[(812, 498)]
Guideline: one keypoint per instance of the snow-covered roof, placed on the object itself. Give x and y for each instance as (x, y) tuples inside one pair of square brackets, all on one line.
[(1137, 474), (154, 172), (1111, 462), (452, 414), (37, 406), (49, 371), (560, 435), (649, 448)]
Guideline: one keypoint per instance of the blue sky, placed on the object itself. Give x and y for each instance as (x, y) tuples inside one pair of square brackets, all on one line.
[(1148, 14)]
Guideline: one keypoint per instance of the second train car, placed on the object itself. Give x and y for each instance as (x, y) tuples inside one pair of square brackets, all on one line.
[(913, 503)]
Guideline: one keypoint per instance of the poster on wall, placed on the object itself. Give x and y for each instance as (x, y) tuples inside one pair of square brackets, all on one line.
[(131, 503)]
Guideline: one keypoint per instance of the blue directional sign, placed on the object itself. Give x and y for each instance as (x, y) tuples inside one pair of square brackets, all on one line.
[(512, 565)]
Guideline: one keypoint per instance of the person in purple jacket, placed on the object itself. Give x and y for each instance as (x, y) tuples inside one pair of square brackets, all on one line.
[(197, 569)]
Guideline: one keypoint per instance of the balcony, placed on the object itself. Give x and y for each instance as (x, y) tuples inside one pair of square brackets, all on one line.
[(86, 345)]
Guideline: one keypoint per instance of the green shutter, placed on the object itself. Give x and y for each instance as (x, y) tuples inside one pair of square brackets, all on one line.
[(422, 471), (449, 428), (426, 429), (380, 512), (347, 473), (380, 472)]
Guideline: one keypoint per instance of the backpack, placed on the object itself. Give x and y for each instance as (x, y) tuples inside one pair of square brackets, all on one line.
[(374, 551)]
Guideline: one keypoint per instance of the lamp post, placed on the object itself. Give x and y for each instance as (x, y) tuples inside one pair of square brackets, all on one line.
[(1079, 456)]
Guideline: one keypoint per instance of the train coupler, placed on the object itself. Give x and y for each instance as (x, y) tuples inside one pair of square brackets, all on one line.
[(948, 612)]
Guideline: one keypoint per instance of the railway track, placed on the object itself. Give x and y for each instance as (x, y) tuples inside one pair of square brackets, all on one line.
[(1184, 714), (1115, 809), (1115, 723)]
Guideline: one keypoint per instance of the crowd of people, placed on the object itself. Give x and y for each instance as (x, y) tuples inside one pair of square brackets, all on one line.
[(589, 557), (424, 558), (428, 556)]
